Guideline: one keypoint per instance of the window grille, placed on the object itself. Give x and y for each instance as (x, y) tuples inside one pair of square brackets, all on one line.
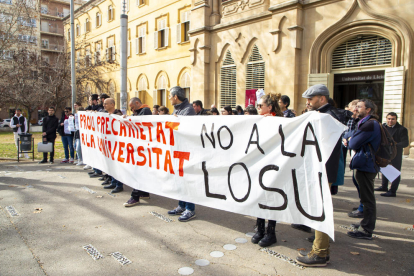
[(363, 50), (228, 82), (255, 76)]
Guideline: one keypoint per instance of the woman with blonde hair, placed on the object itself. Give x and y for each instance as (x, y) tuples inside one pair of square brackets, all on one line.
[(268, 106)]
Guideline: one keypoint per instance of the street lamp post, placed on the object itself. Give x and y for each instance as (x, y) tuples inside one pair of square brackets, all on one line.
[(124, 56), (72, 54)]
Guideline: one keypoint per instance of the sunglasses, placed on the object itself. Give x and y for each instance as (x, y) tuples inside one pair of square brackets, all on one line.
[(260, 105)]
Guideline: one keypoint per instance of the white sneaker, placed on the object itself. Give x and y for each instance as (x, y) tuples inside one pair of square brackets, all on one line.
[(80, 163), (76, 161), (87, 167)]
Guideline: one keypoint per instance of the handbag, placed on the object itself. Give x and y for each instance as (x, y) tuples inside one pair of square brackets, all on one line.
[(45, 146)]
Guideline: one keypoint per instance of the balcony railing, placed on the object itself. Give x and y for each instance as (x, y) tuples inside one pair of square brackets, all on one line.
[(52, 29), (52, 47), (51, 13)]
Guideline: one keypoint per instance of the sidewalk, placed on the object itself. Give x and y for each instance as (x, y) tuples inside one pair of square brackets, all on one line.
[(76, 211)]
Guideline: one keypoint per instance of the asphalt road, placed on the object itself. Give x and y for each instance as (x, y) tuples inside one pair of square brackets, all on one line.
[(74, 211)]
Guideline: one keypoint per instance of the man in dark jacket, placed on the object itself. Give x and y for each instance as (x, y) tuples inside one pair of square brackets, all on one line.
[(49, 127), (365, 142), (317, 100), (400, 136), (198, 108), (284, 103), (139, 109), (184, 108), (94, 103)]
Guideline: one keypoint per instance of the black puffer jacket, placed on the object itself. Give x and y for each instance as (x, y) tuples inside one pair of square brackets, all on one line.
[(50, 125)]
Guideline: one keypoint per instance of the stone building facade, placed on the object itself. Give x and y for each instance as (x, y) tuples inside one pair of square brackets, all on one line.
[(358, 48)]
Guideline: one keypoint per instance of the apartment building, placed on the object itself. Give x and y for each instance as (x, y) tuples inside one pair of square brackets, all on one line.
[(52, 37), (158, 46)]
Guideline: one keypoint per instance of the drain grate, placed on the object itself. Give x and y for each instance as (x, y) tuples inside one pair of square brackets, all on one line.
[(409, 229), (93, 252), (12, 211), (282, 257), (89, 190), (120, 258), (162, 217)]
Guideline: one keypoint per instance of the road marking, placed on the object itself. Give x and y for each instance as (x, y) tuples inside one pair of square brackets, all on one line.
[(216, 254), (162, 217), (202, 262), (12, 211), (93, 252), (120, 258), (229, 247), (88, 190), (186, 271), (282, 257), (240, 240)]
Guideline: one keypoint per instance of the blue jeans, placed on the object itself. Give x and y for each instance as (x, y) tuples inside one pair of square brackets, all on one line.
[(78, 149), (67, 141), (361, 206), (117, 183), (187, 205)]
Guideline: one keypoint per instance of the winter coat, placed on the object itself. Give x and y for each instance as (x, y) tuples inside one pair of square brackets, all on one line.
[(368, 132), (400, 136), (202, 112), (184, 109), (50, 125), (144, 110), (332, 164), (288, 114)]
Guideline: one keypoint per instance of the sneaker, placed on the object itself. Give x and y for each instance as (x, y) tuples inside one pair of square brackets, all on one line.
[(360, 235), (131, 202), (95, 175), (76, 161), (356, 214), (87, 167), (301, 227), (71, 161), (186, 216), (43, 162), (64, 161), (80, 163), (303, 253), (389, 194), (312, 259), (176, 211), (381, 189)]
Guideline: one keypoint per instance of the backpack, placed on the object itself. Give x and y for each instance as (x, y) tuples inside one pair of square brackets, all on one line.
[(387, 149)]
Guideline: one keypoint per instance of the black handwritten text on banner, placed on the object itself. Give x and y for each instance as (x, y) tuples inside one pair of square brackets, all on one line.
[(268, 167)]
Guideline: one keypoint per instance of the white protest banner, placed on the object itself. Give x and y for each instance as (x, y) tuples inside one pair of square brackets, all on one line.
[(267, 167)]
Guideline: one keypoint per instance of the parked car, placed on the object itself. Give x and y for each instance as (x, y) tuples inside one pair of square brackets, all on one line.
[(5, 123)]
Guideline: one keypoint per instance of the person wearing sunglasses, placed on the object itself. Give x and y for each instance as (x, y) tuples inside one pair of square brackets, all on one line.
[(268, 106)]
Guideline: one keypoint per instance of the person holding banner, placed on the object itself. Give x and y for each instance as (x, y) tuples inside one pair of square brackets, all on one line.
[(184, 108), (139, 109), (267, 106), (317, 97)]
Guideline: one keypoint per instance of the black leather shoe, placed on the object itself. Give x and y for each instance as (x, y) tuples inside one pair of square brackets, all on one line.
[(360, 235), (91, 172), (117, 190), (102, 178), (270, 236), (260, 233), (302, 227), (356, 214), (43, 162), (389, 194), (110, 187), (381, 189), (95, 175), (106, 182)]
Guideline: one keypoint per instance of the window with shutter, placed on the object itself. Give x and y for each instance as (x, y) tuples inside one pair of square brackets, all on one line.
[(185, 80), (255, 74), (362, 50), (228, 82)]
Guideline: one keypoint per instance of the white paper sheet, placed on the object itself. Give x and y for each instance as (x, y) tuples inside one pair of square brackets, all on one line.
[(390, 173)]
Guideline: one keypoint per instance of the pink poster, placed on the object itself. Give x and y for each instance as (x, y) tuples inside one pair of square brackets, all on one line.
[(250, 97)]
